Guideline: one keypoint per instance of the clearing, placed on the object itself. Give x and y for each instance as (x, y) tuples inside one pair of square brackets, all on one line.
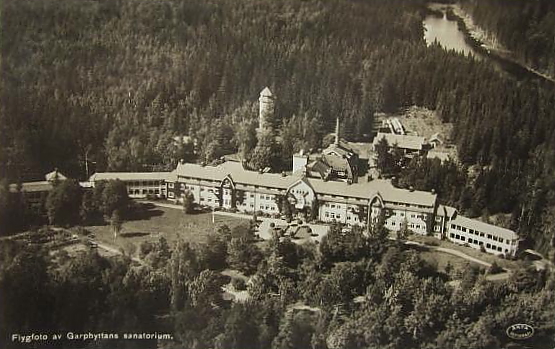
[(155, 222)]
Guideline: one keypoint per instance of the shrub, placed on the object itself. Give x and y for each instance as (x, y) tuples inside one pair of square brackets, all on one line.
[(494, 268), (238, 284)]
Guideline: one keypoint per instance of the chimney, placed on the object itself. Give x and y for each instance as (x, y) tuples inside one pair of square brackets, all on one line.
[(337, 131)]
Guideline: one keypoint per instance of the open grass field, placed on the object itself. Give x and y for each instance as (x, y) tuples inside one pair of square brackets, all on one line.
[(440, 261), (155, 222), (423, 122)]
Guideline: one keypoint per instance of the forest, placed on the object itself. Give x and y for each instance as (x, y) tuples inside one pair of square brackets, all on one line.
[(112, 82), (526, 28), (354, 291)]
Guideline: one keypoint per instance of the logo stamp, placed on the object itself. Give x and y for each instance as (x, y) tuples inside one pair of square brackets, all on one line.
[(520, 331)]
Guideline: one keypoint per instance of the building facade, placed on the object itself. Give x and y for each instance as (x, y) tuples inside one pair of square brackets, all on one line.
[(326, 188), (139, 185), (230, 186), (483, 236)]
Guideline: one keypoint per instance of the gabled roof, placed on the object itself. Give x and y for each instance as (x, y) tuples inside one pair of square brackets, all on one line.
[(319, 166), (55, 176), (446, 210), (337, 163), (436, 137), (237, 173), (402, 141), (485, 227), (364, 190), (367, 190), (266, 92), (341, 149), (301, 180)]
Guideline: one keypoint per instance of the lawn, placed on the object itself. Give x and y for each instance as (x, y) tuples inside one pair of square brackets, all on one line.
[(486, 257), (440, 261), (154, 222)]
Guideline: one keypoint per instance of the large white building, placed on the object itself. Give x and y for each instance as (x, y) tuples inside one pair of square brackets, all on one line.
[(230, 186), (139, 184), (480, 235)]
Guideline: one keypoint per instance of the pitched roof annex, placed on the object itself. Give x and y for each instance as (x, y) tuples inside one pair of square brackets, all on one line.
[(402, 141), (485, 227)]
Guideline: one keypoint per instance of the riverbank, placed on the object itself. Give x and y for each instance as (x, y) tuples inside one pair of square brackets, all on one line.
[(488, 44)]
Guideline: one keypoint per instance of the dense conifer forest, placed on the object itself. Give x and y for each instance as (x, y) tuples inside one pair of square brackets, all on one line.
[(524, 27), (113, 81)]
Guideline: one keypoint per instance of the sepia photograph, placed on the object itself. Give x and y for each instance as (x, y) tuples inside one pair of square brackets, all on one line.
[(277, 174)]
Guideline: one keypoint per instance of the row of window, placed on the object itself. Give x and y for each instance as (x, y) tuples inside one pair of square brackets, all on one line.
[(477, 243), (332, 215), (477, 233), (144, 183), (333, 205), (411, 225), (404, 204), (263, 197), (260, 207), (143, 191)]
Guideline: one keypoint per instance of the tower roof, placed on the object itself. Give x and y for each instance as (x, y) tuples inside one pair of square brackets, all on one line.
[(266, 92), (55, 176)]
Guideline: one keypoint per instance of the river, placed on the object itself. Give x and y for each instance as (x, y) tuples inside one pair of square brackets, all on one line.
[(446, 32)]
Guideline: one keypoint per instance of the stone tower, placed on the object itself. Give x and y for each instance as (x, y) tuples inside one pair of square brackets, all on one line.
[(266, 109)]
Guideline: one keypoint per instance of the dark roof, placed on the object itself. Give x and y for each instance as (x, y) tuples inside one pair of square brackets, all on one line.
[(341, 149), (31, 187), (319, 166), (337, 163)]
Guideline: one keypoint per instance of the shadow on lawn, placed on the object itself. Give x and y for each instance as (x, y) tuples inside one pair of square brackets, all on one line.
[(133, 234), (144, 211)]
